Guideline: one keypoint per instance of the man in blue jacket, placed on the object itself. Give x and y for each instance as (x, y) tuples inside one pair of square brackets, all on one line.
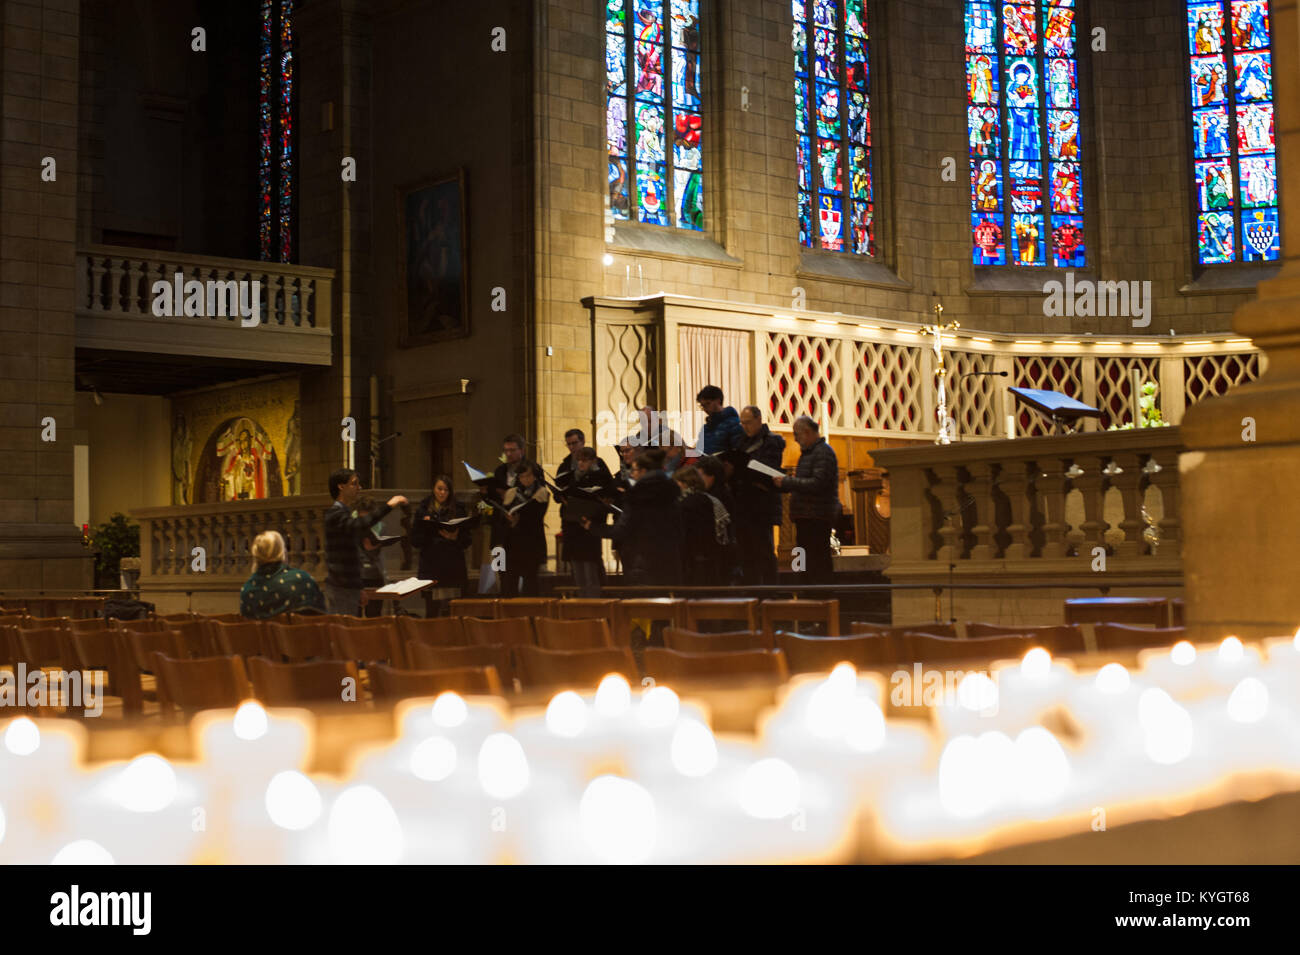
[(722, 426), (816, 501)]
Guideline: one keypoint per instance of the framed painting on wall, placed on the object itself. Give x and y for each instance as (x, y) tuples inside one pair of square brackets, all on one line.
[(432, 261)]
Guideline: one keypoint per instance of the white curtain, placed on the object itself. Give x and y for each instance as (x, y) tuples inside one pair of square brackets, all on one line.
[(711, 356)]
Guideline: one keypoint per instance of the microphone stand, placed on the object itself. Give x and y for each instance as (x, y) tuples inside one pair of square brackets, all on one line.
[(956, 376), (374, 458)]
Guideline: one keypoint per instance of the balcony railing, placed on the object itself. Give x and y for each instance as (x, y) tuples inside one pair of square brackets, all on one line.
[(115, 306), (865, 376), (1040, 500), (225, 532)]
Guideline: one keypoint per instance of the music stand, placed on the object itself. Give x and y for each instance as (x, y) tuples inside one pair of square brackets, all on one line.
[(1052, 404)]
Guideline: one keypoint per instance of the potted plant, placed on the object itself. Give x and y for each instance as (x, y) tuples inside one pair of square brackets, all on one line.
[(113, 540)]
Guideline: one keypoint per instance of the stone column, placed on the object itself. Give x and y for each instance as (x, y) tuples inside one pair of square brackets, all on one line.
[(1241, 539), (40, 547)]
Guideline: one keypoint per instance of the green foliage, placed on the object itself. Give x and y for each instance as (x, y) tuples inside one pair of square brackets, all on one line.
[(1148, 414), (114, 540)]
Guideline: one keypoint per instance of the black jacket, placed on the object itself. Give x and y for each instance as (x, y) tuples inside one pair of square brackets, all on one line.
[(706, 560), (648, 533), (815, 484), (580, 543), (526, 539), (504, 480), (441, 559), (757, 499), (343, 534)]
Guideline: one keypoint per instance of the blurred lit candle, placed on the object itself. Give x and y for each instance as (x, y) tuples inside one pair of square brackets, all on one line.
[(251, 745)]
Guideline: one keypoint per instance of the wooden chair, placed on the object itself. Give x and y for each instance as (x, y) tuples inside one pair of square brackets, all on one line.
[(1177, 612), (99, 650), (245, 639), (1134, 611), (148, 623), (511, 632), (173, 618), (947, 630), (578, 669), (8, 644), (198, 642), (668, 665), (926, 648), (44, 647), (742, 611), (387, 683), (87, 624), (136, 649), (288, 684), (44, 623), (688, 641), (421, 656), (332, 619), (484, 608), (1058, 639), (377, 643), (582, 634), (585, 608), (670, 610), (821, 654), (526, 607), (1114, 636), (224, 617), (210, 683), (301, 642), (433, 631), (826, 613)]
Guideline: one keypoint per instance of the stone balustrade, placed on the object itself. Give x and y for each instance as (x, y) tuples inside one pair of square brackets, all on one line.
[(225, 532), (1086, 510), (116, 298)]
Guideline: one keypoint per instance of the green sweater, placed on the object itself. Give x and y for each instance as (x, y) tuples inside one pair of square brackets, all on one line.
[(275, 589)]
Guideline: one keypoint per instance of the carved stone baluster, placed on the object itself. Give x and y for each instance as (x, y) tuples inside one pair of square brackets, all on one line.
[(1092, 484), (141, 301), (1013, 480), (1127, 476), (116, 301), (983, 476), (1053, 487), (949, 494), (1171, 524), (169, 546), (96, 290), (308, 314)]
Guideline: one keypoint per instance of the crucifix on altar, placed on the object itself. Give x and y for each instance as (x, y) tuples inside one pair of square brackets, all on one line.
[(946, 425)]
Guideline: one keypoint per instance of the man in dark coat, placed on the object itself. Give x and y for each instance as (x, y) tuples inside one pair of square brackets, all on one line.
[(575, 441), (344, 531), (722, 426), (582, 549), (504, 479), (815, 503), (648, 533), (757, 501)]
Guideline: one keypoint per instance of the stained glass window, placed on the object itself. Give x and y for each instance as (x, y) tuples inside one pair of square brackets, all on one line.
[(1022, 122), (832, 117), (653, 120), (1234, 161), (276, 109)]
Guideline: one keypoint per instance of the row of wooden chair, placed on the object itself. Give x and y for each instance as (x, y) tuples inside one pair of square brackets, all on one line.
[(745, 613), (224, 681)]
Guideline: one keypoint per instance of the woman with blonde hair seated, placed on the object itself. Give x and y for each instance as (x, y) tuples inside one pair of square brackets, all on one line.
[(273, 588)]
